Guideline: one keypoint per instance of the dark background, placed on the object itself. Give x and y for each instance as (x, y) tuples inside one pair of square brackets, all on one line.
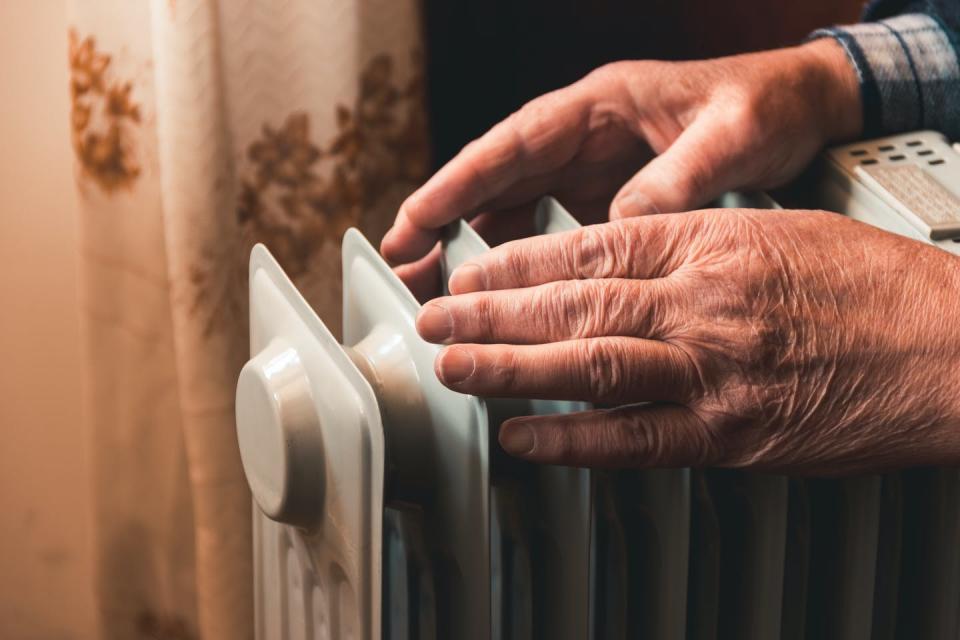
[(487, 58)]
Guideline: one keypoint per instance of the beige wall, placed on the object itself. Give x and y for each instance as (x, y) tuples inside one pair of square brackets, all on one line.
[(45, 566)]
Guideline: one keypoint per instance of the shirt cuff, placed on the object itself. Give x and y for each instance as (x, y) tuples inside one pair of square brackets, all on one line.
[(908, 71)]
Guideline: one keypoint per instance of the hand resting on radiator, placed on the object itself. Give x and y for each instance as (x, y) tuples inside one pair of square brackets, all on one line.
[(793, 341), (634, 138), (798, 341)]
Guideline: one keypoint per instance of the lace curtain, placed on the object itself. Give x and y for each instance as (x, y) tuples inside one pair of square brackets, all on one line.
[(199, 128)]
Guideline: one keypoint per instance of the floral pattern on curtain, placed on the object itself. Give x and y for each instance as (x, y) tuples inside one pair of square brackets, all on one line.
[(201, 127)]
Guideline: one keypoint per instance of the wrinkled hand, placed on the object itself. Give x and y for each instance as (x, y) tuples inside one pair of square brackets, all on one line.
[(647, 136), (788, 341)]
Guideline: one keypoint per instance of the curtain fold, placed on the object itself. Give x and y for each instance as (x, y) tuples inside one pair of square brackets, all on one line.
[(199, 128)]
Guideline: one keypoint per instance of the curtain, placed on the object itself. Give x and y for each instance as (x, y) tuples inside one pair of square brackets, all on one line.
[(200, 127)]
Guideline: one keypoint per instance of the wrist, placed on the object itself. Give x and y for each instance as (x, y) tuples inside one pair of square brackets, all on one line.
[(836, 96), (929, 282), (945, 285)]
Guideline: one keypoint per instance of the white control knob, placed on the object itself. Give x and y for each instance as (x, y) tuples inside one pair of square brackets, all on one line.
[(279, 435)]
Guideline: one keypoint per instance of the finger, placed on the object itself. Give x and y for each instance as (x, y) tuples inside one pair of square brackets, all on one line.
[(586, 191), (423, 277), (538, 139), (603, 370), (584, 186), (648, 247), (693, 170), (581, 180), (653, 435), (552, 312)]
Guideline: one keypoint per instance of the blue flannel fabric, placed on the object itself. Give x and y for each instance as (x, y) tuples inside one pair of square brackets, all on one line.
[(906, 56)]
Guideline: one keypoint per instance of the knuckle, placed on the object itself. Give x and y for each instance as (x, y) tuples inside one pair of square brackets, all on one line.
[(587, 252), (532, 119), (505, 369), (514, 125), (495, 153), (595, 254), (566, 444), (626, 72), (551, 311), (743, 118), (609, 308), (612, 71), (694, 446), (741, 109), (639, 308), (512, 261), (694, 363), (548, 311), (746, 115), (645, 444), (604, 371), (567, 310), (648, 444), (588, 317), (473, 145), (482, 322), (600, 308), (533, 113), (573, 311)]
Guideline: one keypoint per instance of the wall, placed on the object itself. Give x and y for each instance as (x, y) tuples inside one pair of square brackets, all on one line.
[(45, 498)]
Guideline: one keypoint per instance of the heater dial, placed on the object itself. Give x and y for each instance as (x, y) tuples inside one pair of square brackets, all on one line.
[(279, 435)]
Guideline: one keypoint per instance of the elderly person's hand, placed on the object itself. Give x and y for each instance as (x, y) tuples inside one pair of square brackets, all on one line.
[(788, 341), (645, 136)]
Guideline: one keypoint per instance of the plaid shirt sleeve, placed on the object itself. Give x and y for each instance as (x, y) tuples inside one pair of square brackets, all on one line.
[(908, 70)]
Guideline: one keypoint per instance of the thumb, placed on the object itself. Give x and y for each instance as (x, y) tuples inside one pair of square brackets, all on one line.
[(691, 172)]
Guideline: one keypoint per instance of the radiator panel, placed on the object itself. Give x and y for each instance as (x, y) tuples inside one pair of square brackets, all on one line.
[(541, 516), (419, 527)]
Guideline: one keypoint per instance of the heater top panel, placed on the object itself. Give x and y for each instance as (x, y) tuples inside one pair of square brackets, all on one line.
[(311, 443), (437, 439)]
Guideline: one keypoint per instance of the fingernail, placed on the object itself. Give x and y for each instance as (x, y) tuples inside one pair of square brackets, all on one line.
[(467, 278), (434, 323), (632, 204), (456, 365), (517, 439)]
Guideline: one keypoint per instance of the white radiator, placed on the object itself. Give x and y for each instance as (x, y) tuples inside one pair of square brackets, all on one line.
[(385, 509)]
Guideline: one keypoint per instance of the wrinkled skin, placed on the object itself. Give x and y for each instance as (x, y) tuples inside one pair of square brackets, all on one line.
[(797, 342), (801, 341), (635, 138)]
